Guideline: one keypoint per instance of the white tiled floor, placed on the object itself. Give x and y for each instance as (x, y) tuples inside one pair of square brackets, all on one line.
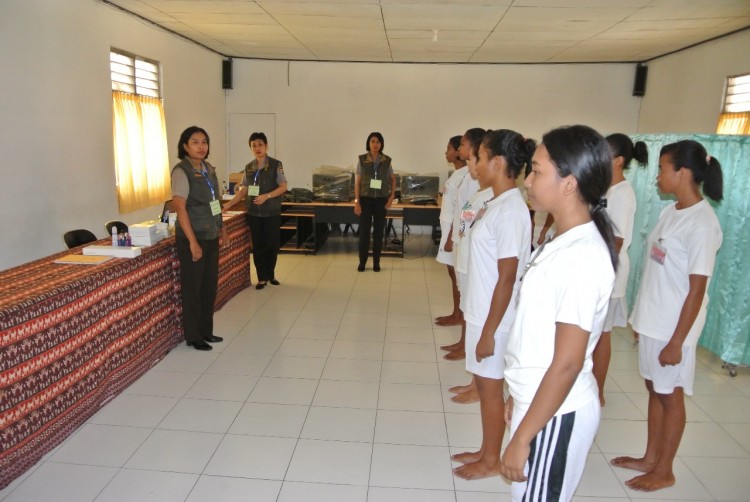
[(331, 387)]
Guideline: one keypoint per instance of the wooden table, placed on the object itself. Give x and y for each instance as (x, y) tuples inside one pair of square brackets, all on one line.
[(305, 225), (72, 337)]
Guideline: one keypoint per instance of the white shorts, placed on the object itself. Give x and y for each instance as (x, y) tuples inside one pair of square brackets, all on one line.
[(462, 284), (666, 378), (551, 476), (445, 257), (617, 314), (490, 367)]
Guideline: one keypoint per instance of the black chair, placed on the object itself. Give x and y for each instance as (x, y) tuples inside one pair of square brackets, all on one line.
[(121, 227), (79, 237)]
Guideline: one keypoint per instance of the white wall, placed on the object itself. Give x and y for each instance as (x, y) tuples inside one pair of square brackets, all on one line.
[(56, 136), (57, 170), (324, 111), (684, 91)]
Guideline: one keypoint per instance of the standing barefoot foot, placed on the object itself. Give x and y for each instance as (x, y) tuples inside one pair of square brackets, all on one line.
[(467, 457), (450, 321), (477, 470), (452, 347), (468, 397), (651, 481), (456, 355), (460, 389), (636, 464), (445, 317)]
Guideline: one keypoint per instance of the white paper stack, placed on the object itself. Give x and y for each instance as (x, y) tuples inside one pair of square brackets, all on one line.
[(144, 234), (116, 251), (162, 229)]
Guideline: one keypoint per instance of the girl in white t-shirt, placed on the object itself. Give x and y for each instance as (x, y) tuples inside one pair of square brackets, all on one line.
[(621, 206), (670, 309), (553, 406), (466, 394), (500, 241), (465, 191), (447, 206)]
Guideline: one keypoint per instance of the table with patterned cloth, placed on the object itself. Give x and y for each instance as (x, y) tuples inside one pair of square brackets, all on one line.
[(72, 337)]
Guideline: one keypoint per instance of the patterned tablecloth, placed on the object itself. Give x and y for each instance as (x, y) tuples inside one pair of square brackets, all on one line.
[(72, 337)]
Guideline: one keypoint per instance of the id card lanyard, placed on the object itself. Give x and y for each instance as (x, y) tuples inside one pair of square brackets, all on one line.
[(375, 183), (215, 204), (530, 264), (254, 189)]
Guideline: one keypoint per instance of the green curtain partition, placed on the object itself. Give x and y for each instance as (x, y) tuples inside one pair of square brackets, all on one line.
[(727, 330)]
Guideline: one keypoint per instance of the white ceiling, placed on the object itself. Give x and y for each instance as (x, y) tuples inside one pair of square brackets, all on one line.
[(468, 31)]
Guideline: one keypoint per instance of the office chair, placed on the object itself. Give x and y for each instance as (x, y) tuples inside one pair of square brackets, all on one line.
[(121, 227), (78, 237)]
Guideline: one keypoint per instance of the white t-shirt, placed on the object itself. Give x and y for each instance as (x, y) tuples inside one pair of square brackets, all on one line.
[(503, 231), (691, 238), (462, 232), (450, 192), (464, 193), (570, 281), (621, 209)]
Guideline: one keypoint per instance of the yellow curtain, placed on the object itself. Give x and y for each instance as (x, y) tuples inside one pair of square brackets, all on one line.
[(734, 123), (141, 158)]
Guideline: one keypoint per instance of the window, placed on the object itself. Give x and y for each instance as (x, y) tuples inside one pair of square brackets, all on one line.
[(735, 118), (140, 134)]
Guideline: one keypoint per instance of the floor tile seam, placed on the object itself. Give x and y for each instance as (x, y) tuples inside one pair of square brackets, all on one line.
[(307, 415), (695, 475), (721, 425), (30, 471)]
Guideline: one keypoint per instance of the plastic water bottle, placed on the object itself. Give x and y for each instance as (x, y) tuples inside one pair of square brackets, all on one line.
[(115, 236)]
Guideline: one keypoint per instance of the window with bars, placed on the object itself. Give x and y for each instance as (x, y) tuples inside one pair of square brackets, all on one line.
[(140, 133), (134, 75), (737, 96)]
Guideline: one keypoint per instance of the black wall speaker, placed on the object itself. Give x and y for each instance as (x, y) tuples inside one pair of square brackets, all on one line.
[(226, 74), (639, 84)]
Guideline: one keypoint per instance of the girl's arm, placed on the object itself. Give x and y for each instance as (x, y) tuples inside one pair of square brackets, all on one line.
[(545, 228), (672, 353), (506, 269), (567, 362)]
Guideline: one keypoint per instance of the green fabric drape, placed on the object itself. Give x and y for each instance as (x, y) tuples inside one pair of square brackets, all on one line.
[(727, 330)]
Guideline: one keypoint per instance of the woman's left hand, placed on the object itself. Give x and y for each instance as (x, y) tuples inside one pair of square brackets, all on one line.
[(514, 461), (485, 347), (260, 199), (389, 202), (224, 238), (670, 355)]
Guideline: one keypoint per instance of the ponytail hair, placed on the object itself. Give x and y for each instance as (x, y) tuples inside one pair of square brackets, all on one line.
[(582, 152), (692, 155), (622, 146), (475, 142), (510, 145), (455, 142)]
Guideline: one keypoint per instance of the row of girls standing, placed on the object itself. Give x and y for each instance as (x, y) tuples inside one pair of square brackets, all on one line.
[(534, 322), (537, 322)]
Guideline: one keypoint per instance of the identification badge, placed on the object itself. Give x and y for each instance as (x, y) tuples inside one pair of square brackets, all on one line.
[(376, 184), (468, 215), (658, 253), (215, 208), (253, 190)]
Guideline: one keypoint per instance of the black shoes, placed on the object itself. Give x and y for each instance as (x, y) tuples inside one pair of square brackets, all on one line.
[(200, 345), (361, 267), (260, 285), (376, 267), (274, 282), (213, 339)]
